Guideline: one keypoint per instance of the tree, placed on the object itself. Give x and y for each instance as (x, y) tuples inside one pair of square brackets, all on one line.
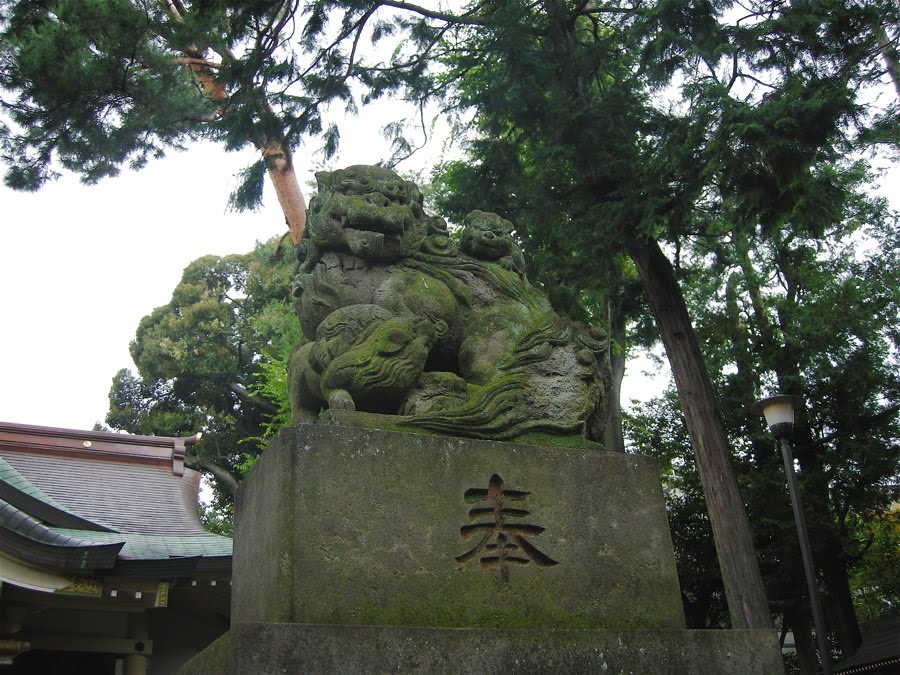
[(572, 85), (95, 84), (773, 318), (876, 586), (205, 362)]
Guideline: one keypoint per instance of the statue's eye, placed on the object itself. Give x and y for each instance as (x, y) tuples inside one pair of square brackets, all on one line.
[(394, 342)]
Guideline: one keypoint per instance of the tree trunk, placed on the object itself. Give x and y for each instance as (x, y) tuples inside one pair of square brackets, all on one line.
[(733, 538), (226, 481), (284, 180), (840, 602), (889, 54), (279, 161), (613, 439), (798, 621), (256, 399)]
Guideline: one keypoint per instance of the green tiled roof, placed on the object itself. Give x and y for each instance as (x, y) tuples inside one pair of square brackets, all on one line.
[(137, 546), (138, 499), (157, 547)]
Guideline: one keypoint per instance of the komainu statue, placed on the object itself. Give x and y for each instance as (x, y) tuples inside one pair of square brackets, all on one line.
[(398, 320)]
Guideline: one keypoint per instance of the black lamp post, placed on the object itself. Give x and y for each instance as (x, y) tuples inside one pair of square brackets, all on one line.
[(779, 414)]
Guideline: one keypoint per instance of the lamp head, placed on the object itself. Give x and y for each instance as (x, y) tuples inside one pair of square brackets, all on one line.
[(779, 413)]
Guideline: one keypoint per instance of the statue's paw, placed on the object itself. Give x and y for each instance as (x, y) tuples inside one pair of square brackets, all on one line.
[(340, 399)]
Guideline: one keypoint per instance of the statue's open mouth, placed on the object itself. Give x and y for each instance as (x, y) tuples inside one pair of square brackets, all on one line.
[(375, 231), (368, 244), (387, 217)]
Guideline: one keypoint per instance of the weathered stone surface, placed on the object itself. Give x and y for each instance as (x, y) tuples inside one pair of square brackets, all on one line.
[(399, 320), (267, 649), (350, 557), (358, 526), (217, 658)]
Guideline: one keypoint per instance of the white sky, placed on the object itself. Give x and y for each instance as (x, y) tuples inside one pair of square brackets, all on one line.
[(81, 265)]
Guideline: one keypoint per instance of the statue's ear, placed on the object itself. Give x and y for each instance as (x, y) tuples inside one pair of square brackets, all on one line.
[(324, 177), (412, 190)]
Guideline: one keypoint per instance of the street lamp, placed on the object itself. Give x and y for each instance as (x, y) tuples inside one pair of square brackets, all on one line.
[(779, 414)]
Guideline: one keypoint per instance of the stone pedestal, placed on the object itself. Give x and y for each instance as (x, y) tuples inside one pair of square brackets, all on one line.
[(359, 550)]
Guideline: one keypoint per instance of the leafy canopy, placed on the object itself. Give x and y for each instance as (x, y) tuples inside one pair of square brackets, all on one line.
[(213, 360)]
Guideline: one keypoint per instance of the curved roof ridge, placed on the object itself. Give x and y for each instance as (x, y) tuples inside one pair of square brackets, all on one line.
[(29, 540)]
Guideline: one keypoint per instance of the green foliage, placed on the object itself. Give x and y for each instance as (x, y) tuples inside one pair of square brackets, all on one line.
[(208, 360), (273, 385), (92, 85), (248, 194), (875, 582), (218, 520), (96, 88)]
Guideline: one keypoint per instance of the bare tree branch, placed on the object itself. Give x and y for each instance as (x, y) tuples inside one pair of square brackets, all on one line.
[(253, 398), (465, 19), (226, 481)]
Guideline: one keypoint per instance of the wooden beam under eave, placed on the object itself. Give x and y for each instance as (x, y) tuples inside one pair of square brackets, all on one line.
[(24, 576), (88, 643), (124, 602)]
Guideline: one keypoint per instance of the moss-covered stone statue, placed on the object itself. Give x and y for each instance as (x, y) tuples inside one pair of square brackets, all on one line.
[(399, 321)]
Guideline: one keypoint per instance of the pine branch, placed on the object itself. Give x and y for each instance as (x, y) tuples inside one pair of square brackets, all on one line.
[(195, 61), (461, 19), (272, 30)]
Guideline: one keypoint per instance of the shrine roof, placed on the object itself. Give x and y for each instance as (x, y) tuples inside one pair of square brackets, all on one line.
[(103, 494), (156, 547), (879, 651)]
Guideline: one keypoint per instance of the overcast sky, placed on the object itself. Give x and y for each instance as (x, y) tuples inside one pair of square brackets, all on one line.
[(81, 265)]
